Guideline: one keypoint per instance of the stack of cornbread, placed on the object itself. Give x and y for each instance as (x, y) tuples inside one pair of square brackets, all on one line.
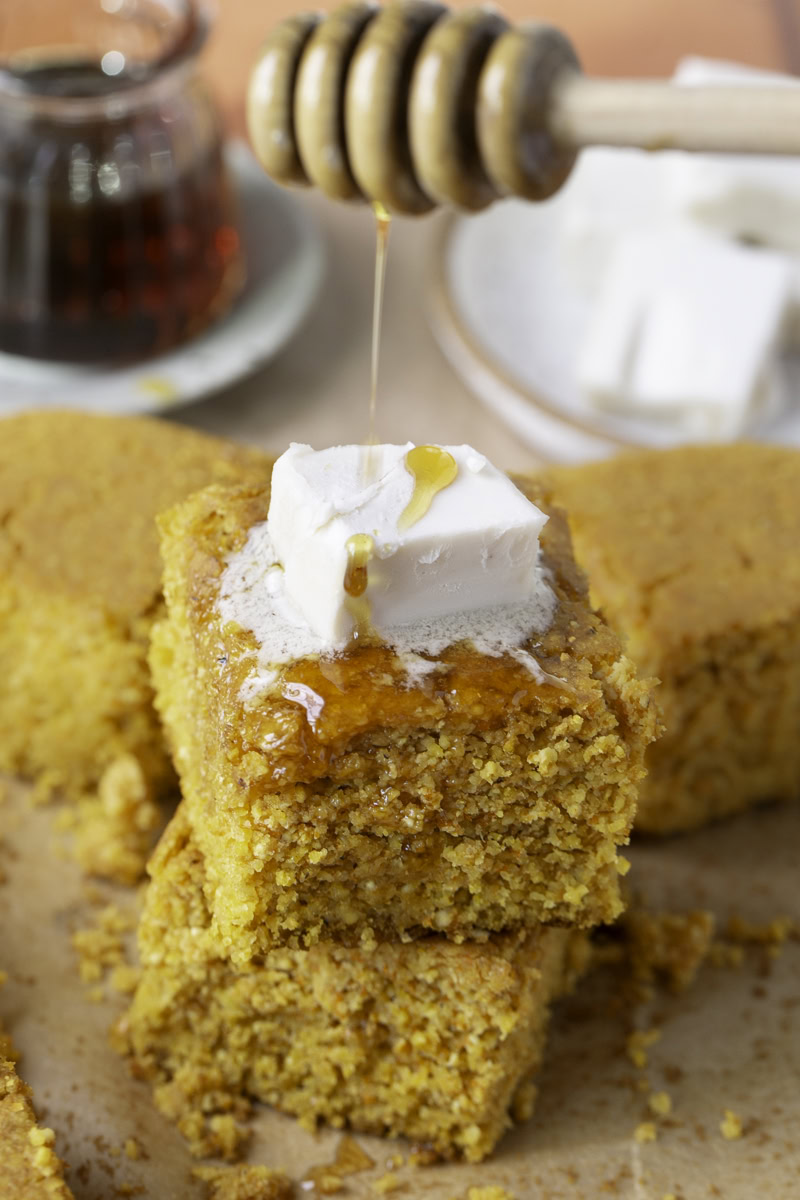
[(380, 873)]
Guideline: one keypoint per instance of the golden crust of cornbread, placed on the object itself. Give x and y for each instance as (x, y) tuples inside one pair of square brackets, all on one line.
[(694, 558), (348, 804), (430, 1040), (29, 1167), (80, 583)]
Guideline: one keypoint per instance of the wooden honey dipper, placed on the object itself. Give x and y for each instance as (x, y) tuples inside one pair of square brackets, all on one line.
[(413, 105)]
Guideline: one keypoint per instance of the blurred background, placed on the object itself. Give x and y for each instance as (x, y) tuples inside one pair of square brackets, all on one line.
[(617, 37), (316, 333)]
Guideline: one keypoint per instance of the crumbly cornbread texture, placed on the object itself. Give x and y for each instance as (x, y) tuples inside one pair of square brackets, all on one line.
[(30, 1169), (694, 558), (430, 1040), (245, 1183), (80, 583), (347, 803)]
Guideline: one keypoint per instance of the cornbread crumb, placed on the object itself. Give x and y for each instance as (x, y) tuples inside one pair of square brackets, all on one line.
[(350, 1159), (387, 1183), (730, 1126), (645, 1132), (723, 954), (666, 945), (41, 1137), (660, 1103), (423, 1156), (770, 933), (209, 1135), (102, 951), (124, 979), (740, 935), (102, 948), (245, 1183), (638, 1043), (114, 829), (326, 1182)]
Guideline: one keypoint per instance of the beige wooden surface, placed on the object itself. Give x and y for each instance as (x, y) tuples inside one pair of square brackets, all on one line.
[(316, 390)]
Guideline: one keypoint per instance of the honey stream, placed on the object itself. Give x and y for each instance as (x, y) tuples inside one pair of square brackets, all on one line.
[(360, 546), (382, 222), (432, 467)]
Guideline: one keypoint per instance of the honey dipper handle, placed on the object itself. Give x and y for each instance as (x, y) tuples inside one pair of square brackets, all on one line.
[(656, 115), (414, 105)]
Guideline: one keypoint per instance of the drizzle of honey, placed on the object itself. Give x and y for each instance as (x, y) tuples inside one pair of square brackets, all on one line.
[(382, 222), (433, 469), (360, 548)]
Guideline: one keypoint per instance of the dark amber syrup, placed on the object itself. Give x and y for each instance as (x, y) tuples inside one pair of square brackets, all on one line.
[(116, 238)]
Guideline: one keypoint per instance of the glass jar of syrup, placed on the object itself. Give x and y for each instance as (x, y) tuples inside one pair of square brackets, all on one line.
[(118, 236)]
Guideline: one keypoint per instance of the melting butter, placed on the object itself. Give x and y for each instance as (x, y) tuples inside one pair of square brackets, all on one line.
[(433, 469)]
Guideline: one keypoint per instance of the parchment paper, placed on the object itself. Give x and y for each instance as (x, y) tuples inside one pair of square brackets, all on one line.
[(731, 1042)]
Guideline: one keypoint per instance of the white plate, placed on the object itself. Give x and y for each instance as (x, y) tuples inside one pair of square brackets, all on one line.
[(511, 321), (285, 262)]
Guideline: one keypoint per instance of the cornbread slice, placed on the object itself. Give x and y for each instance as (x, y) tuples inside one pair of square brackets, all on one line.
[(693, 556), (80, 584), (29, 1167), (430, 1040), (350, 802)]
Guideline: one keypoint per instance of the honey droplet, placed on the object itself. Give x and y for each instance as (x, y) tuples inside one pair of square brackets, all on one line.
[(359, 551), (433, 469)]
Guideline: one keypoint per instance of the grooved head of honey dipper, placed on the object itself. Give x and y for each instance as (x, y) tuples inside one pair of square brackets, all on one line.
[(376, 105), (270, 99), (319, 99), (517, 83), (442, 108)]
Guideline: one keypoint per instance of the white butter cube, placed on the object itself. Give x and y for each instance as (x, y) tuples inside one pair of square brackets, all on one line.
[(745, 196), (475, 547), (685, 329), (610, 192)]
